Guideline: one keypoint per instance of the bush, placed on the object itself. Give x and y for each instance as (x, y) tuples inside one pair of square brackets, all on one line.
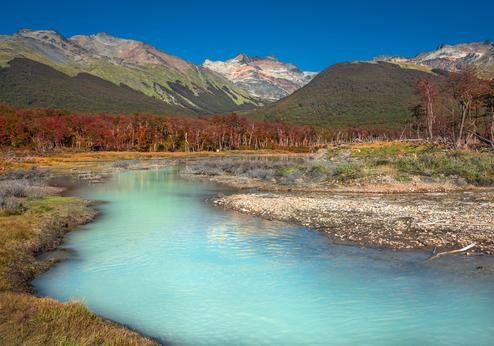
[(11, 205), (316, 171), (34, 174), (14, 188), (253, 168), (21, 183), (348, 171), (260, 173), (290, 177), (400, 160)]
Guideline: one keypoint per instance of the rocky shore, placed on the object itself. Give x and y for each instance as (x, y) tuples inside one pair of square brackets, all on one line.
[(398, 221)]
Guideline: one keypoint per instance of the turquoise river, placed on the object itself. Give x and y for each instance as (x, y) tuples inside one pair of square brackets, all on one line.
[(164, 261)]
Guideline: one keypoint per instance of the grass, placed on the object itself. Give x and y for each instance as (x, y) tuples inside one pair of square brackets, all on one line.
[(71, 160), (348, 164), (475, 167), (27, 320), (38, 227), (405, 159)]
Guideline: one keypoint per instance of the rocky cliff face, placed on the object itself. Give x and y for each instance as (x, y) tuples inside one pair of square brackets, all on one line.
[(265, 78)]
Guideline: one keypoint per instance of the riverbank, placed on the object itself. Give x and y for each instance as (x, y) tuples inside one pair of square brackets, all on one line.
[(398, 195), (107, 161), (33, 220)]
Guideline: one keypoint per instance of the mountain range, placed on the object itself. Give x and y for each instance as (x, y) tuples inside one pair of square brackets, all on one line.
[(378, 93), (102, 73), (176, 83)]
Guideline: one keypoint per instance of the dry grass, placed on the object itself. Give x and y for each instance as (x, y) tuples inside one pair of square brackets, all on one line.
[(89, 160), (27, 320), (40, 228)]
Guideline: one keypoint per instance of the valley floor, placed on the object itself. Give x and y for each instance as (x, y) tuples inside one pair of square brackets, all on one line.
[(355, 194)]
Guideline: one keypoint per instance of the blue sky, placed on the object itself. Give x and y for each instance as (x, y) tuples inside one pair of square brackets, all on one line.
[(310, 34)]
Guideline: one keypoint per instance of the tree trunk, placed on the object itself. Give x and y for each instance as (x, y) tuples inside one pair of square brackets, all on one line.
[(492, 128), (464, 112)]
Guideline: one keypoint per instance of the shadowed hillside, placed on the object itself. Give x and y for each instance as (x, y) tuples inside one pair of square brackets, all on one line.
[(351, 95), (28, 83)]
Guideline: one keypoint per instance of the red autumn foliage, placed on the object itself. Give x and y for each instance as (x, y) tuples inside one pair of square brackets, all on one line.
[(51, 129)]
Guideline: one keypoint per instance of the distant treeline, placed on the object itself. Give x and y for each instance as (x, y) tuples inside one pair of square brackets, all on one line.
[(50, 129)]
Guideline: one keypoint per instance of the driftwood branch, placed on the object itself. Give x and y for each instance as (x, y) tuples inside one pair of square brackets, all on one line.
[(444, 253)]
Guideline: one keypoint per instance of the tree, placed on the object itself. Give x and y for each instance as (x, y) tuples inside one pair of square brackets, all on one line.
[(489, 112), (428, 94), (467, 91)]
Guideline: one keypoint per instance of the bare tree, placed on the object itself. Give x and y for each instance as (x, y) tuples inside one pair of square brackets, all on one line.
[(428, 93), (467, 91)]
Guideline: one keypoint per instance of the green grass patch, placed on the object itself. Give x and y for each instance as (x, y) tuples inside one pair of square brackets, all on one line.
[(404, 159), (476, 167)]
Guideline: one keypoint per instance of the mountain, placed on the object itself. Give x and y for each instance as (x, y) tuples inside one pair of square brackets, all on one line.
[(454, 58), (353, 94), (265, 78), (28, 83), (375, 94), (139, 66)]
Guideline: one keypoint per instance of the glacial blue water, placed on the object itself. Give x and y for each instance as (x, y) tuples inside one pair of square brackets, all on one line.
[(163, 261)]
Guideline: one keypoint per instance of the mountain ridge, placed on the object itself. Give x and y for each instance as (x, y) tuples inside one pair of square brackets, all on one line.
[(136, 64)]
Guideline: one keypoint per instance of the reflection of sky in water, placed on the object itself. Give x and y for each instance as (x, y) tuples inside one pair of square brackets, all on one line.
[(162, 260)]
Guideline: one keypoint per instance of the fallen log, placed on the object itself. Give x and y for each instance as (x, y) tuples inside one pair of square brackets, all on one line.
[(452, 252)]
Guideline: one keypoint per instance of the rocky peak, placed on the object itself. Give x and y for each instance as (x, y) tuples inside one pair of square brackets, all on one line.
[(47, 36), (52, 43), (455, 57), (127, 50), (242, 58), (263, 77)]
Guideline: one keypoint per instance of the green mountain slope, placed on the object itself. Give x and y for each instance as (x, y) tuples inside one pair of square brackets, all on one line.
[(29, 83), (358, 94), (133, 63)]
